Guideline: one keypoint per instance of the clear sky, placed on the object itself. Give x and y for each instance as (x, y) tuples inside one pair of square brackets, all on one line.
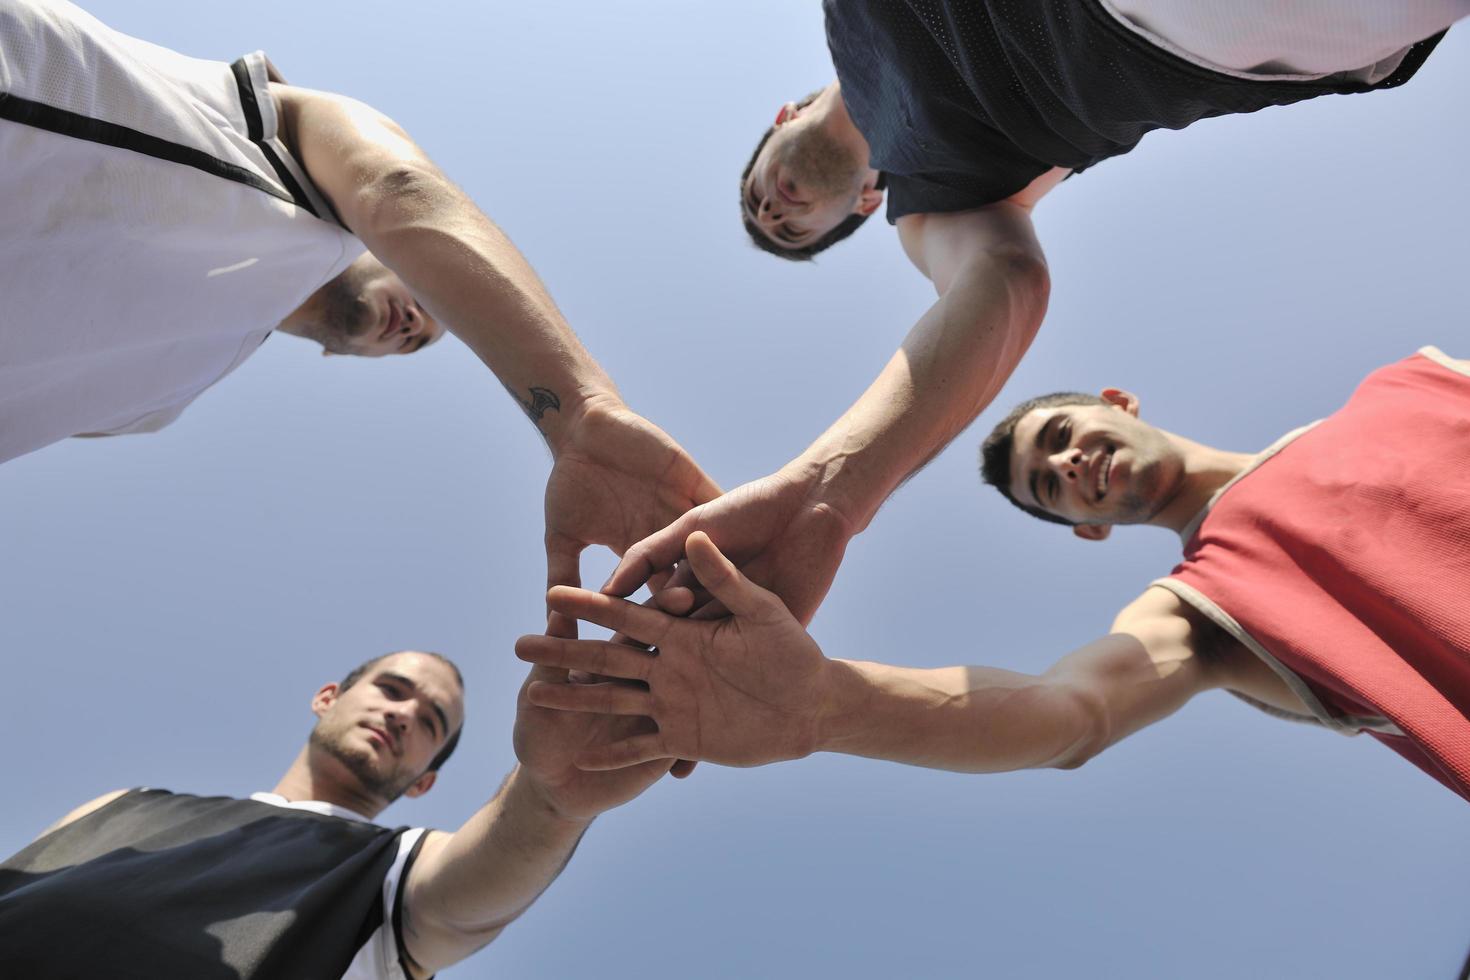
[(171, 601)]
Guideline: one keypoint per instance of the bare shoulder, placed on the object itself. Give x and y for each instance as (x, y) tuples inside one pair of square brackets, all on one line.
[(90, 806), (1174, 631), (1171, 629), (942, 244)]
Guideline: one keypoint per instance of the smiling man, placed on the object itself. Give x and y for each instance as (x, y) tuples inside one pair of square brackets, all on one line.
[(298, 882), (165, 214), (968, 112), (1323, 580)]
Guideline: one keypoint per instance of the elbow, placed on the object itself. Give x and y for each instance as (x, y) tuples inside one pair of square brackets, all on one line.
[(1028, 280), (1089, 727)]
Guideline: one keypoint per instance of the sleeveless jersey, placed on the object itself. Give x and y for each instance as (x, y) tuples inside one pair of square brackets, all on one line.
[(964, 102), (1342, 559), (155, 228), (157, 884)]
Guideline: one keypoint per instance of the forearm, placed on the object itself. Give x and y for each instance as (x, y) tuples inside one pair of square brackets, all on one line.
[(468, 274), (966, 719), (487, 873), (456, 262), (952, 364)]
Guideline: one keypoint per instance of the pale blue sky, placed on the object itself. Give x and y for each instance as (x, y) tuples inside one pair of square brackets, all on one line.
[(171, 601)]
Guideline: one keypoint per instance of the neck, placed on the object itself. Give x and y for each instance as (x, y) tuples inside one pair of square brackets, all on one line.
[(308, 781), (1206, 470), (830, 113)]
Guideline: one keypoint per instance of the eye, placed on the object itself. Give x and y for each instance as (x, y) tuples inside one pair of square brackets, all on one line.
[(1064, 435)]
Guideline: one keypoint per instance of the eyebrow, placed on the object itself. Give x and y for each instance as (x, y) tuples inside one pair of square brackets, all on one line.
[(438, 710)]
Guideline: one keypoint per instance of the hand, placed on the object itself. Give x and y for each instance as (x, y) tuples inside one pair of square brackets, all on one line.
[(617, 477), (740, 691), (774, 528), (548, 742)]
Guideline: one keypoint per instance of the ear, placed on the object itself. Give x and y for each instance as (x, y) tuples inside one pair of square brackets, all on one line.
[(421, 785), (1118, 398), (322, 701), (327, 353), (870, 200), (786, 113), (1092, 532)]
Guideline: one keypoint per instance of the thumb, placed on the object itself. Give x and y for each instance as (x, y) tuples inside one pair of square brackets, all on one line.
[(723, 580)]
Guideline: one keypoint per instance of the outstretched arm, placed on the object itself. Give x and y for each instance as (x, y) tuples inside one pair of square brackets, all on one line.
[(754, 687), (788, 531), (467, 886), (616, 477)]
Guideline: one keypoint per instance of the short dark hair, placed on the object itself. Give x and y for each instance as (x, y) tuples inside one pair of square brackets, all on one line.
[(762, 241), (357, 673), (995, 451)]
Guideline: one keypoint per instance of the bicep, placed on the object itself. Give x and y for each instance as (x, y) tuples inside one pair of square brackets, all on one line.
[(943, 246), (1150, 665), (346, 146), (432, 937)]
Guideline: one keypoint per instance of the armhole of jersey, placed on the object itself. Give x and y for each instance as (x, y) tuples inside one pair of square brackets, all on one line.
[(257, 107), (396, 913), (1443, 360)]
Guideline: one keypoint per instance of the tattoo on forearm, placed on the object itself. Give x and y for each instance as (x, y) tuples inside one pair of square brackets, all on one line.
[(542, 400)]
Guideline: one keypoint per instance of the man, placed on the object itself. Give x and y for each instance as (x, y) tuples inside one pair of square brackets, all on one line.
[(164, 214), (969, 113), (1323, 579), (298, 882)]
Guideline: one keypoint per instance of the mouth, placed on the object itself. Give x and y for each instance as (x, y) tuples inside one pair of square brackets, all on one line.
[(1104, 473), (381, 736), (395, 320)]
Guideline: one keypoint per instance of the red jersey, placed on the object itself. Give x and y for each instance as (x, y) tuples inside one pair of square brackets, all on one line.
[(1342, 559)]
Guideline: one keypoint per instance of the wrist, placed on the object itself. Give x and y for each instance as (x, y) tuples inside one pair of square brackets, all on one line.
[(578, 410), (841, 709), (840, 479), (532, 796)]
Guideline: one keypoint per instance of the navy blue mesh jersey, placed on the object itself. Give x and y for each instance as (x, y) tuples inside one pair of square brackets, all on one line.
[(965, 102)]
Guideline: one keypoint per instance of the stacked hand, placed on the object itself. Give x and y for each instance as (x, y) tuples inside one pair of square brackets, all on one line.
[(743, 690), (775, 529), (617, 478)]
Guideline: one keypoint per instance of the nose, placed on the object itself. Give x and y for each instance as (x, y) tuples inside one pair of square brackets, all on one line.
[(396, 721), (1067, 463), (771, 212)]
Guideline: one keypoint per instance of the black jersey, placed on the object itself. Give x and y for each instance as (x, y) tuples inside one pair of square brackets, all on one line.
[(965, 102), (158, 884)]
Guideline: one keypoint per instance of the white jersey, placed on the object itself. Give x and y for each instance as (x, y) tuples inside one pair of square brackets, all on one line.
[(1364, 40), (155, 227)]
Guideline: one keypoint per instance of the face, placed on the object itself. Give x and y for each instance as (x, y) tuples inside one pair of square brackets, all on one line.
[(804, 182), (1094, 464), (367, 311), (387, 727)]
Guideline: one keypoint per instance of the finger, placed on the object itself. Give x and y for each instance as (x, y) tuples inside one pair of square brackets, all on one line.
[(677, 601), (682, 768), (644, 624), (563, 567), (619, 755), (738, 594), (684, 578), (601, 699), (592, 656), (674, 605), (654, 554)]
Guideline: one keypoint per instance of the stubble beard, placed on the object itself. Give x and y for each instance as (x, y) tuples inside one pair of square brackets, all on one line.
[(343, 317), (824, 167), (362, 763)]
